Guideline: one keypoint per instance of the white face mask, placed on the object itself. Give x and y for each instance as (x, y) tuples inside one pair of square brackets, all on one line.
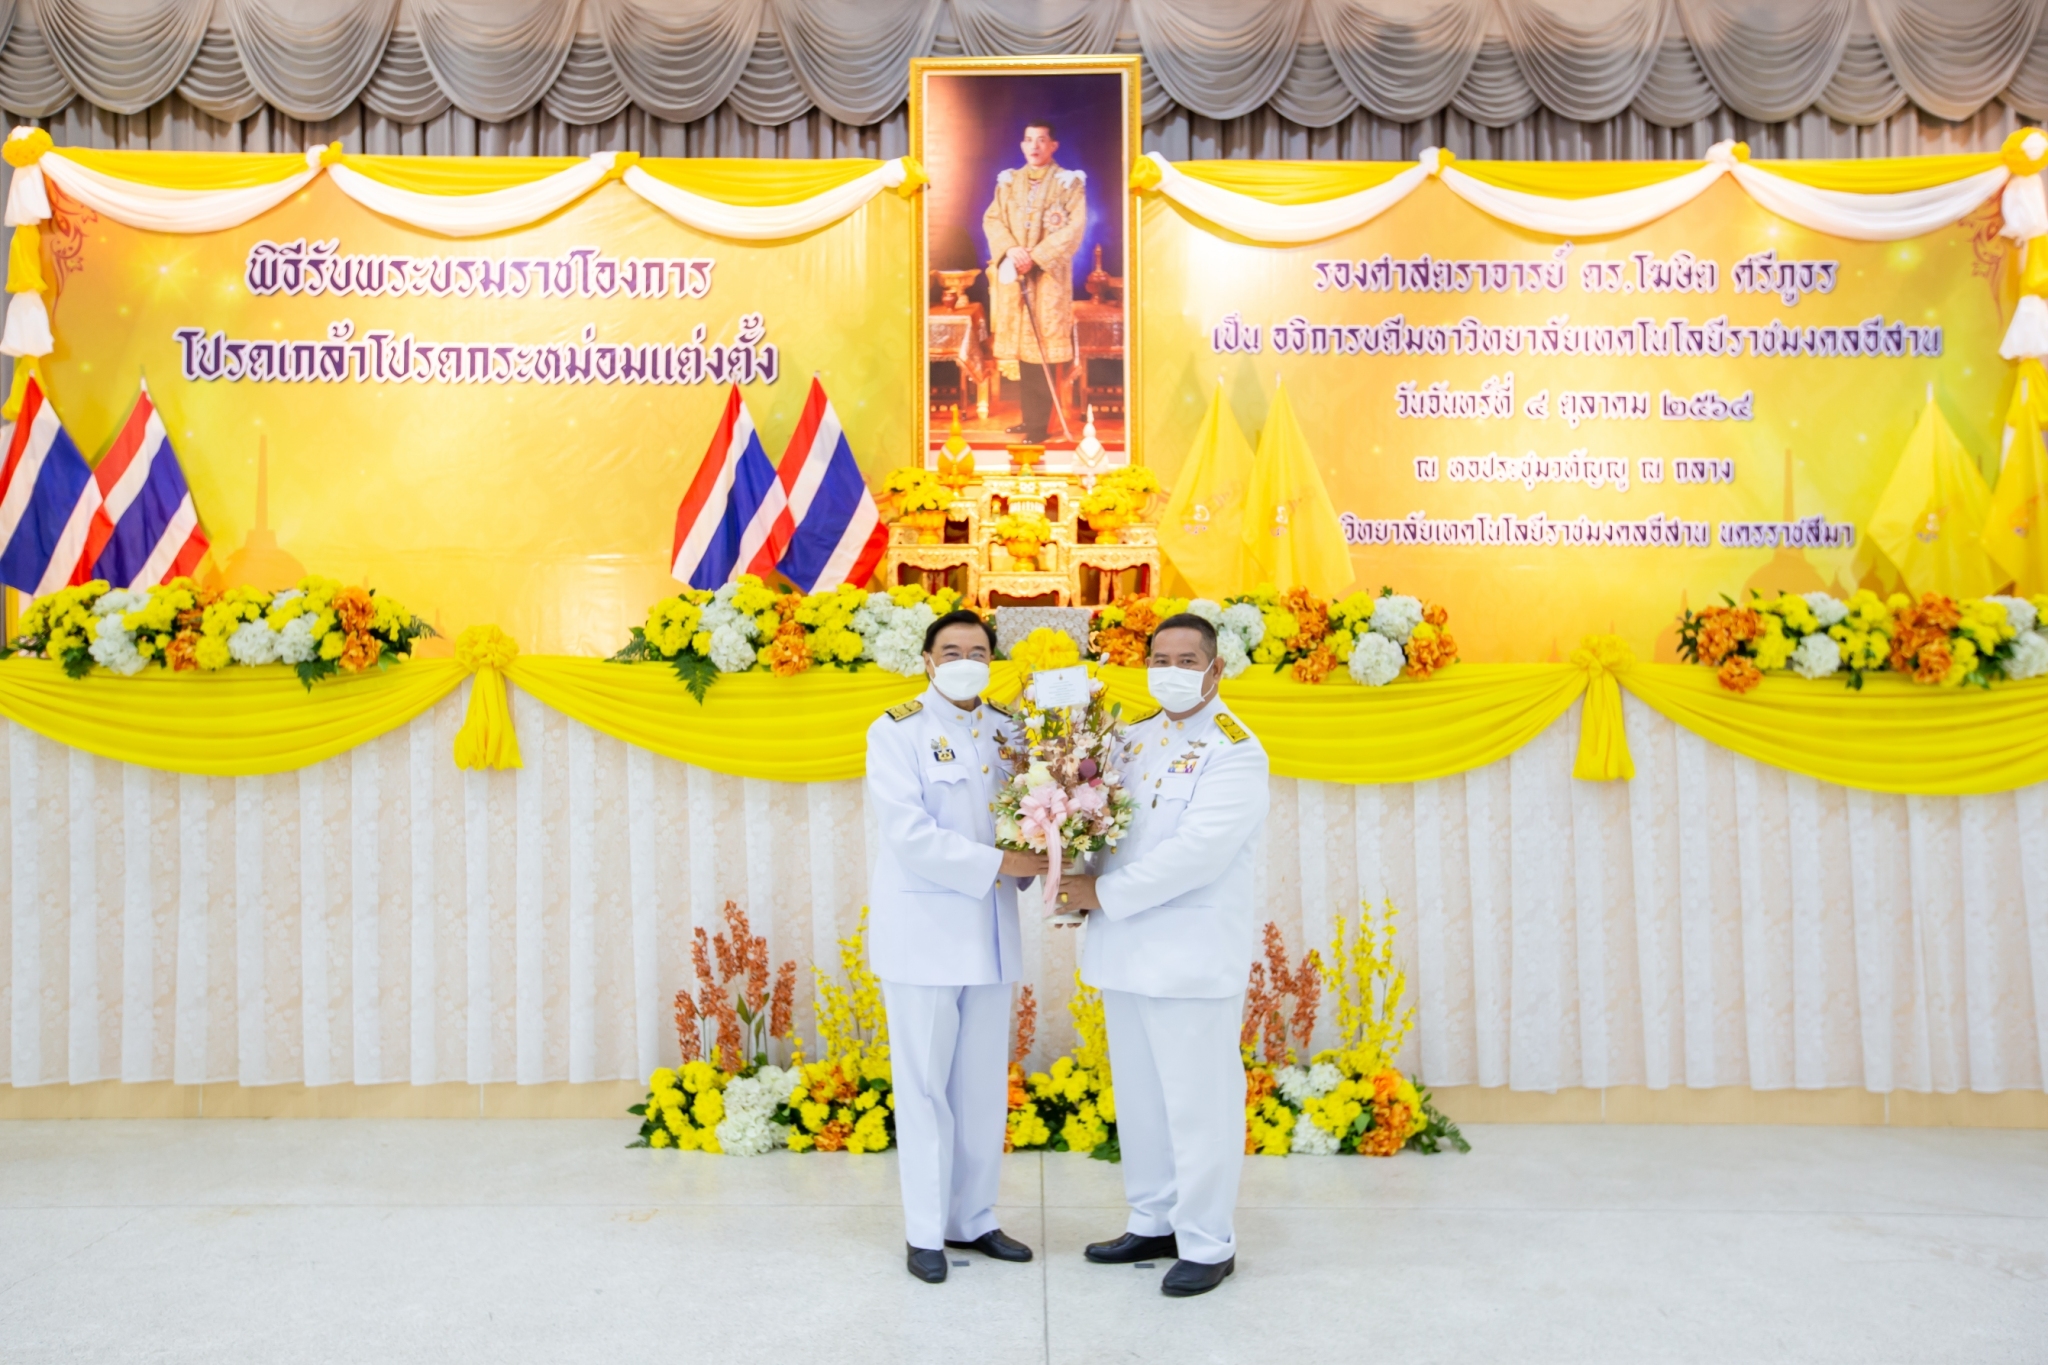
[(1177, 689), (960, 679)]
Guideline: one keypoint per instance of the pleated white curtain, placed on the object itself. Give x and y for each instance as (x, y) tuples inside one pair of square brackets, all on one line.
[(382, 917)]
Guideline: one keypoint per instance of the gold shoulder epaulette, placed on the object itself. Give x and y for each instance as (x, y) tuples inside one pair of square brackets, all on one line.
[(1232, 731), (998, 707), (905, 710)]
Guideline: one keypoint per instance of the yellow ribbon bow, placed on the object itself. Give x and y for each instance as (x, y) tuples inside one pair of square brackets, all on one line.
[(486, 739), (1603, 740)]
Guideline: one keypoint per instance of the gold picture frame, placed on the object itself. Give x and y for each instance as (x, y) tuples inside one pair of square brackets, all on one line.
[(941, 162)]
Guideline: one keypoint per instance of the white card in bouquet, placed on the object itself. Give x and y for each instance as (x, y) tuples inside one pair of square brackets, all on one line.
[(1061, 686)]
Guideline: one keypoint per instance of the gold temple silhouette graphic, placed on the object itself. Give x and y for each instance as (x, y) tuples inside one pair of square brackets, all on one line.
[(261, 562)]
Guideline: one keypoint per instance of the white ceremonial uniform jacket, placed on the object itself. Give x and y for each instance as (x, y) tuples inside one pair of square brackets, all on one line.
[(1177, 917), (938, 912)]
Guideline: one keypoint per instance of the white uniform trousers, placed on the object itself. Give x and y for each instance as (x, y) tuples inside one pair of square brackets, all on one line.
[(949, 1065), (1179, 1081)]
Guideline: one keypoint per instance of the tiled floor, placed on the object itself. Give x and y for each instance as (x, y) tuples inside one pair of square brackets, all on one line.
[(507, 1241)]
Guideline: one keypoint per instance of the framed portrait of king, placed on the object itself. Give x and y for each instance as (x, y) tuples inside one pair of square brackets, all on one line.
[(1027, 245)]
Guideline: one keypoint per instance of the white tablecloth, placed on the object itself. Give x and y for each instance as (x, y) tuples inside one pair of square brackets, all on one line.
[(385, 917)]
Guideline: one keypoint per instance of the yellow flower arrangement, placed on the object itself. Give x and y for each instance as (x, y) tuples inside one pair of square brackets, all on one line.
[(1019, 529), (748, 625), (1045, 648), (1071, 1107), (843, 1101), (683, 1107), (318, 628), (1935, 640)]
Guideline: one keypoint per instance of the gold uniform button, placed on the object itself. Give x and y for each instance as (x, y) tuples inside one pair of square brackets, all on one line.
[(974, 734), (984, 767)]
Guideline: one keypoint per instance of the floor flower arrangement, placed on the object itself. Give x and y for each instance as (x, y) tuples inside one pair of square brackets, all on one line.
[(728, 1098), (726, 1094), (1374, 638), (1934, 640), (318, 629), (747, 625), (843, 1101), (1351, 1099)]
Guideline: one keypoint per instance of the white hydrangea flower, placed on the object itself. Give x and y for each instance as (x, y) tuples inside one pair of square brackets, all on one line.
[(295, 643), (900, 652), (2029, 656), (1828, 609), (2019, 612), (1298, 1083), (1375, 660), (1230, 648), (120, 600), (1817, 656), (1244, 619), (1209, 611), (1311, 1140), (747, 1129), (1396, 617), (720, 616), (113, 647), (254, 642), (730, 652)]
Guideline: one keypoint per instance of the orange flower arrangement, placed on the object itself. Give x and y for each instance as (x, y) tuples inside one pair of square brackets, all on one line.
[(1920, 644), (1431, 646), (1123, 644), (181, 654), (1311, 617), (1723, 630), (790, 652), (737, 1000), (1738, 674), (1314, 666)]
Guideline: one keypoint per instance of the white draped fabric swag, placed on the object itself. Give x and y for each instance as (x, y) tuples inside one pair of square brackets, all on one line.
[(383, 917)]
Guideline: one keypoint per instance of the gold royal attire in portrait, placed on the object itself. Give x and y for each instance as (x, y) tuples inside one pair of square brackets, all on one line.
[(1043, 209)]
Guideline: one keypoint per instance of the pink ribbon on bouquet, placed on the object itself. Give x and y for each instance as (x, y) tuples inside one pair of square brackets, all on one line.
[(1040, 815)]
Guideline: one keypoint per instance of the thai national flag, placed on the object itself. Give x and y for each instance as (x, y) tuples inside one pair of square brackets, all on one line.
[(833, 533), (47, 502), (147, 531), (728, 520)]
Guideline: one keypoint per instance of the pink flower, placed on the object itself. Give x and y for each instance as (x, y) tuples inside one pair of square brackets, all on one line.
[(1090, 800)]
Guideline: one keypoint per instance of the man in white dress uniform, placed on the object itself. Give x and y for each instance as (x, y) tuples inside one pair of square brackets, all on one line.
[(1170, 944), (943, 912)]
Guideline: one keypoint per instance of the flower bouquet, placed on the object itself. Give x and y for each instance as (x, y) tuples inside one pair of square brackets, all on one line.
[(1066, 796)]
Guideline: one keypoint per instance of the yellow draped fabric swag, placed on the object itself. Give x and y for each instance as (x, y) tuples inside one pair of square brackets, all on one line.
[(1892, 736)]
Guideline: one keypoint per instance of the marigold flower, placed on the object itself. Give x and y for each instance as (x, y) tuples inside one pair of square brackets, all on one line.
[(1738, 674), (360, 651)]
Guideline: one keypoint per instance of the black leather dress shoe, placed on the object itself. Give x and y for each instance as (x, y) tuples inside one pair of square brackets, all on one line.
[(1130, 1248), (929, 1266), (994, 1245), (1189, 1278)]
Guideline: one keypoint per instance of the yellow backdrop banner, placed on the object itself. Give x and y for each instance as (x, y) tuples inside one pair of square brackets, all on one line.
[(496, 428), (1556, 438)]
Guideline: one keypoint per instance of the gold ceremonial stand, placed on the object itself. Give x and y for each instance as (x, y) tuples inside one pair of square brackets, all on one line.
[(1072, 569)]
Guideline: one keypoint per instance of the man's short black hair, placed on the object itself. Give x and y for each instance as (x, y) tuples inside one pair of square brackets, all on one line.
[(960, 617), (1041, 123), (1186, 620)]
